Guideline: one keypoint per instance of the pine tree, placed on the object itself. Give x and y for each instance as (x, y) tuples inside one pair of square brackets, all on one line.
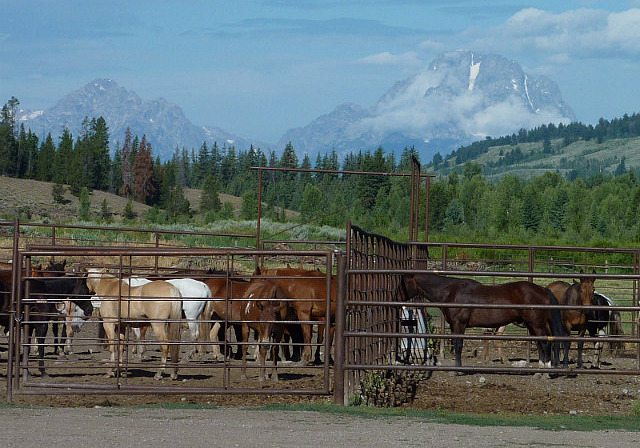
[(84, 207), (62, 158), (144, 189), (127, 165), (44, 168), (105, 211), (128, 213), (210, 199)]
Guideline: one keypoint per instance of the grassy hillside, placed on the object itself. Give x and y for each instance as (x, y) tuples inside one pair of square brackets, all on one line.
[(30, 199), (588, 156)]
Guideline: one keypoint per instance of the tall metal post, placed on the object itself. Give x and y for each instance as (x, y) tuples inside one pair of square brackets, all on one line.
[(339, 377), (259, 208)]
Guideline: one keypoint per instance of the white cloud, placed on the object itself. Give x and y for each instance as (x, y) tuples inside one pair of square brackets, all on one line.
[(576, 33), (385, 58)]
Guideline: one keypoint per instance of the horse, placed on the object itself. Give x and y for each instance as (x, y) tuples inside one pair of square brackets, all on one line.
[(157, 304), (226, 305), (485, 348), (5, 306), (598, 320), (307, 292), (578, 294), (195, 296), (451, 290), (265, 304), (73, 322), (48, 295)]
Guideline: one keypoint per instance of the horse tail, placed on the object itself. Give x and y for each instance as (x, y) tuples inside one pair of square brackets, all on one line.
[(615, 328), (174, 327), (557, 327)]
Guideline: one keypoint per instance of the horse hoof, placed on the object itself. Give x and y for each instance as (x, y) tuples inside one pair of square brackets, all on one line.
[(157, 376)]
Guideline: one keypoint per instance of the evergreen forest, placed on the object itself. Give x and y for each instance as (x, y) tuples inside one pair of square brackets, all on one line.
[(582, 209)]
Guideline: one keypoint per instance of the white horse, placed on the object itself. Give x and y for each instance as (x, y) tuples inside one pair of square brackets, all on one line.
[(195, 295)]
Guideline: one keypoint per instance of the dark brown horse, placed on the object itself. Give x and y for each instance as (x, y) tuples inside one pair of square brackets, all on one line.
[(226, 294), (579, 294), (451, 290)]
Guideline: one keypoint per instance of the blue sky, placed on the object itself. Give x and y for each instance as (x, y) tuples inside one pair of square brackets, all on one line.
[(259, 68)]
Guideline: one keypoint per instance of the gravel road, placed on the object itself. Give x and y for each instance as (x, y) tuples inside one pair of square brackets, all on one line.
[(241, 427)]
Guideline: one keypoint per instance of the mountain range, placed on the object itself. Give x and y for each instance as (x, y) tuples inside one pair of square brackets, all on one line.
[(460, 97)]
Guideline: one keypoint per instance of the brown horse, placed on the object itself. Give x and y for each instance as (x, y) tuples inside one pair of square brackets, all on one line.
[(450, 290), (307, 292), (158, 304), (226, 304), (264, 306), (580, 294)]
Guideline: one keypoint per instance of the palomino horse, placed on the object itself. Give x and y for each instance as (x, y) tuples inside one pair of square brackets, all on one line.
[(307, 292), (195, 296), (450, 290), (157, 304), (264, 306), (578, 294), (598, 320)]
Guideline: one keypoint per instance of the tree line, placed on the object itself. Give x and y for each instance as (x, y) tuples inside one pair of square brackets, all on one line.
[(463, 205)]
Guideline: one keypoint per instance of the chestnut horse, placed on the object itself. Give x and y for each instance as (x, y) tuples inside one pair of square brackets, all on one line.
[(265, 304), (580, 293), (451, 290), (157, 303), (307, 292)]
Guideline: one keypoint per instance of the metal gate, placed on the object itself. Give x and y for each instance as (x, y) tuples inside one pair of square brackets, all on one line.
[(85, 370), (383, 336)]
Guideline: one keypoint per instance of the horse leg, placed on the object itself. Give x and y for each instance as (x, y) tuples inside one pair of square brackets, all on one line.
[(57, 341), (237, 330), (214, 338), (580, 347), (67, 332), (109, 332), (243, 349), (306, 335), (320, 340), (598, 347), (139, 334), (41, 333), (161, 333), (263, 348), (277, 338), (194, 331)]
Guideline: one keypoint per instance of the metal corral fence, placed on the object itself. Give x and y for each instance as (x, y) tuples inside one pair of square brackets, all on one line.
[(84, 370), (24, 234), (386, 337)]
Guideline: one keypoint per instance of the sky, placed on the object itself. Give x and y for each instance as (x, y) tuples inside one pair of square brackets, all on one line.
[(259, 68)]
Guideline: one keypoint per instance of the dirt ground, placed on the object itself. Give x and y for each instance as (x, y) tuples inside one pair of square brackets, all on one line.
[(581, 394), (71, 420)]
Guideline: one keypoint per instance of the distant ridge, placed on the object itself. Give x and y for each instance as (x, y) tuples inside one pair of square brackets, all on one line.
[(164, 123)]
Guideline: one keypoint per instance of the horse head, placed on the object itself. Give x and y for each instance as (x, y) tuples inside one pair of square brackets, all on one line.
[(587, 289)]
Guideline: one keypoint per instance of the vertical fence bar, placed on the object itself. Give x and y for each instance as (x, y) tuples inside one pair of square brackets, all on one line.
[(339, 396)]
